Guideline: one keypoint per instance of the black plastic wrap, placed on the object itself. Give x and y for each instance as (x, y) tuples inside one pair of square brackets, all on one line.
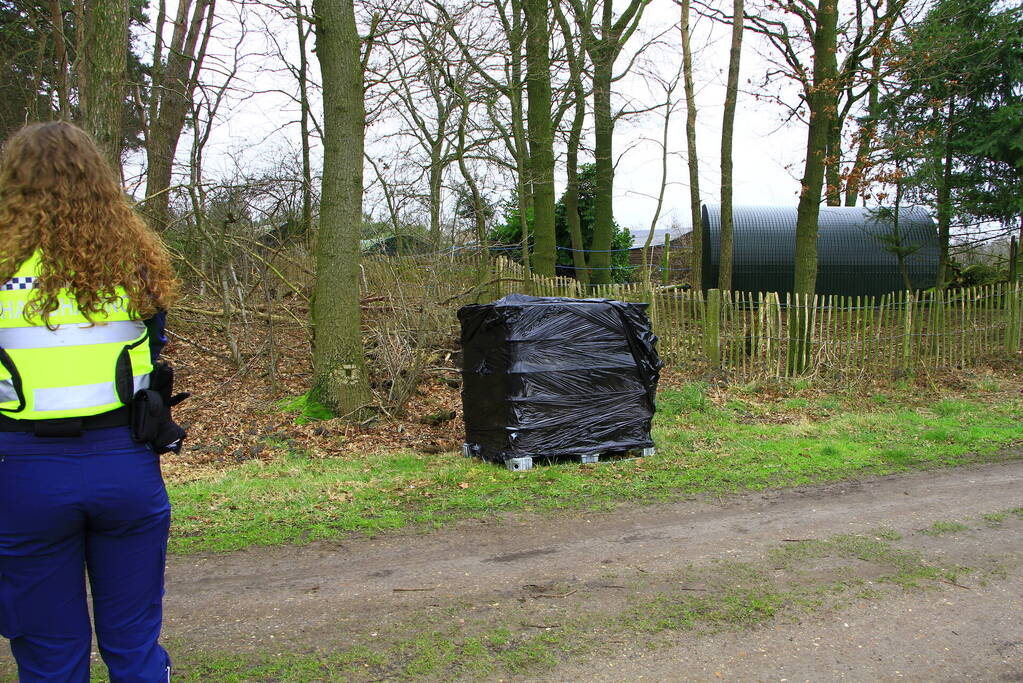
[(554, 376)]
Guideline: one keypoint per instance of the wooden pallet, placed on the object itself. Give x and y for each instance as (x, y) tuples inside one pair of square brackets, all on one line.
[(526, 463)]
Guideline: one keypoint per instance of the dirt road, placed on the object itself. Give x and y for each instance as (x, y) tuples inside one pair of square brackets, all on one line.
[(545, 570), (852, 581)]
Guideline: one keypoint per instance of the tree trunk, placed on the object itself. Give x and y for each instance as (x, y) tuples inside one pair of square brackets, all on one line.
[(822, 101), (900, 250), (575, 228), (541, 134), (944, 208), (478, 209), (867, 132), (669, 107), (582, 272), (603, 51), (524, 197), (727, 129), (696, 255), (339, 363), (436, 178), (603, 209), (103, 75), (174, 82), (833, 164), (60, 54), (303, 99)]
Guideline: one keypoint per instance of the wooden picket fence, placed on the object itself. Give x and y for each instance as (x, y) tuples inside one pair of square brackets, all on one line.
[(748, 334)]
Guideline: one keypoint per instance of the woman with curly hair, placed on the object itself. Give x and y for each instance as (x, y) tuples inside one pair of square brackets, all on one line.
[(83, 283)]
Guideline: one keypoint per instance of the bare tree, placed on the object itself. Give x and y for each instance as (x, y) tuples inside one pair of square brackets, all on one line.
[(499, 66), (541, 133), (303, 29), (576, 96), (339, 361), (693, 158), (175, 74), (604, 40), (821, 88), (103, 75), (727, 128)]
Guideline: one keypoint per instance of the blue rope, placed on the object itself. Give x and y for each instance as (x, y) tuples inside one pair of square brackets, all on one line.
[(597, 251)]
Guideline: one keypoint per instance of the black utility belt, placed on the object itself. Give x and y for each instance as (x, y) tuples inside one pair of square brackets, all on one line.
[(67, 426), (147, 415)]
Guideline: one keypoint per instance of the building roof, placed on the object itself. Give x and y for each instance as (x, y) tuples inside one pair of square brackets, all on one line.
[(639, 235)]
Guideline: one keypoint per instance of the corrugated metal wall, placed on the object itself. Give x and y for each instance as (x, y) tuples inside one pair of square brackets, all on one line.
[(851, 260)]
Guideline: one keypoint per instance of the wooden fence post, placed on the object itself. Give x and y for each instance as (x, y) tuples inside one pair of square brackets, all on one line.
[(654, 313), (907, 333), (1013, 261), (1012, 302), (772, 333), (712, 327), (666, 261), (801, 316)]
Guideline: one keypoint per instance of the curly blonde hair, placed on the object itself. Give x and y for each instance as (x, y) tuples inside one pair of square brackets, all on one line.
[(60, 196)]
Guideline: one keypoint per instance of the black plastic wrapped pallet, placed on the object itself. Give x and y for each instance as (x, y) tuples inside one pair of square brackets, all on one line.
[(554, 376)]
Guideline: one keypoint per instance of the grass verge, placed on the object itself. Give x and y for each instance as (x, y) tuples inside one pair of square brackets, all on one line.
[(707, 443)]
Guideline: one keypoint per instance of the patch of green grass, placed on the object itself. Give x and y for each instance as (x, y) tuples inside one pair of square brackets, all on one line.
[(691, 398), (737, 608), (801, 384), (830, 405), (539, 651), (702, 447), (942, 528), (936, 435), (830, 452), (953, 407), (903, 567), (995, 518), (428, 654), (886, 534)]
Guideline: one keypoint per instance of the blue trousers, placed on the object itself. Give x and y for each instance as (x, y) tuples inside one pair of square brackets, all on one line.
[(68, 505)]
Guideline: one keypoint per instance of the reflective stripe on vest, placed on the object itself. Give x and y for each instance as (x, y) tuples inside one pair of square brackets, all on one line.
[(36, 337), (83, 396), (75, 369)]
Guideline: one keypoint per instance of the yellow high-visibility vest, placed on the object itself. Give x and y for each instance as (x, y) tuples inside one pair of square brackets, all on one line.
[(80, 368)]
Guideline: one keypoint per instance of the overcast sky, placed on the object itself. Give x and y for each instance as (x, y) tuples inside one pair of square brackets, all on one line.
[(257, 125)]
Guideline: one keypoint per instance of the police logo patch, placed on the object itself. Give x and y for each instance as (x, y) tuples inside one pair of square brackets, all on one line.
[(18, 283)]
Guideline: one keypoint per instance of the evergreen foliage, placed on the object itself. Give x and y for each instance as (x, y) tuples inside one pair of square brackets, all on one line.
[(30, 69), (954, 116), (508, 233)]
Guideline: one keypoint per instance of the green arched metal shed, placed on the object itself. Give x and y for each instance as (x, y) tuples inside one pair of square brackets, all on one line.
[(854, 258)]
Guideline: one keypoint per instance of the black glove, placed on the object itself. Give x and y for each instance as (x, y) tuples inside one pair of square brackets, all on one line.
[(162, 381)]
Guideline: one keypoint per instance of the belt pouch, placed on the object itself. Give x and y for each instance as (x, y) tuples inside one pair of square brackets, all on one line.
[(147, 412)]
